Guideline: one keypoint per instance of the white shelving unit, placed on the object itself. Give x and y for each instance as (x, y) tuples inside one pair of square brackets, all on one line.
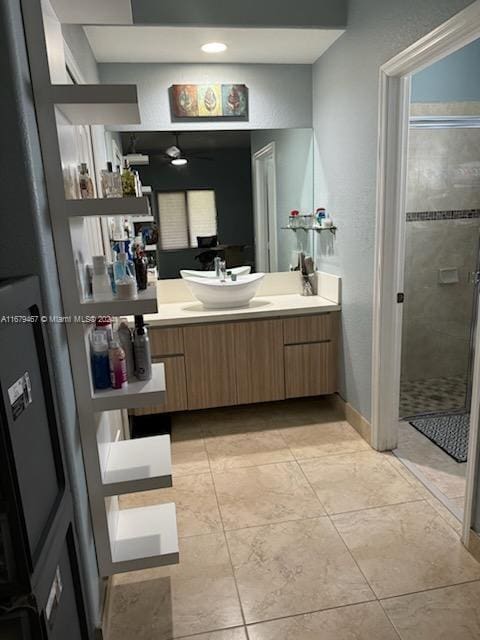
[(137, 394), (137, 465), (107, 207), (125, 539)]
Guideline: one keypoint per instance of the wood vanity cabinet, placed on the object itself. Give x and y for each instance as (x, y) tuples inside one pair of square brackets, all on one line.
[(310, 355), (229, 363), (259, 361), (210, 365)]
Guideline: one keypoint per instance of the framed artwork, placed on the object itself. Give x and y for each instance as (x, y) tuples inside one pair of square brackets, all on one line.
[(191, 101), (185, 103)]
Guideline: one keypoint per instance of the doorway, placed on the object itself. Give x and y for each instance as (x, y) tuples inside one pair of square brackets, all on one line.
[(391, 277), (265, 208)]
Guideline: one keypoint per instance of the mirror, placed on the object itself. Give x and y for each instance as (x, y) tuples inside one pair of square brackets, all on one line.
[(227, 194)]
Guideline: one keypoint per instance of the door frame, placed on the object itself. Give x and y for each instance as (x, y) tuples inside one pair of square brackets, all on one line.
[(394, 103), (266, 242)]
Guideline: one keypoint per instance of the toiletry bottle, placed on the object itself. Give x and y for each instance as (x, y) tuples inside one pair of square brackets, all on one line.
[(125, 284), (104, 324), (141, 350), (118, 365), (109, 182), (100, 361), (86, 184), (126, 342), (320, 214), (128, 180), (101, 286), (141, 270)]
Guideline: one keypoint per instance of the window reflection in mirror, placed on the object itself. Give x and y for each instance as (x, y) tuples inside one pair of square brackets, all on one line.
[(227, 194)]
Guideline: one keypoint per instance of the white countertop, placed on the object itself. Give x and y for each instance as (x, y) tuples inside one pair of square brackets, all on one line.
[(274, 306)]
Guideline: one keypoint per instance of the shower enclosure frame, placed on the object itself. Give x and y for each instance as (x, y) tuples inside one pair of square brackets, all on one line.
[(394, 106)]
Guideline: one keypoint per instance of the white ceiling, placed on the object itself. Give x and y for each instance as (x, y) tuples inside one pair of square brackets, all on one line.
[(182, 44)]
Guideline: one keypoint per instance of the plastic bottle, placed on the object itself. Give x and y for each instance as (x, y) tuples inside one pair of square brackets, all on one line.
[(125, 282), (141, 350), (104, 323), (100, 361), (118, 366), (141, 270), (85, 182), (101, 286), (126, 342)]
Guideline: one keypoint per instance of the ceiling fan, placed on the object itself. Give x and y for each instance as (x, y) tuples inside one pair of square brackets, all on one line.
[(177, 157)]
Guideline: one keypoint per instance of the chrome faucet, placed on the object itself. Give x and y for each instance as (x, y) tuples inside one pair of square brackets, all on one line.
[(220, 268)]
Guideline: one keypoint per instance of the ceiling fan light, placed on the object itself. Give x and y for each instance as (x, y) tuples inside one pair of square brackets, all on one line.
[(179, 162), (214, 47)]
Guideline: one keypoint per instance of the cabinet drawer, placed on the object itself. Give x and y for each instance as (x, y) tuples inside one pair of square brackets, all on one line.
[(166, 342), (176, 388), (309, 329), (310, 369)]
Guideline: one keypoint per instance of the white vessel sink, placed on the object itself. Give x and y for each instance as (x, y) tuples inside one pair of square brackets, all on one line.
[(188, 273), (214, 294)]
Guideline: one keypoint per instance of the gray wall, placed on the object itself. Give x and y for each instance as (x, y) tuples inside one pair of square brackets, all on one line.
[(268, 13), (78, 44), (294, 180), (26, 247), (455, 78), (280, 95), (345, 118), (229, 174)]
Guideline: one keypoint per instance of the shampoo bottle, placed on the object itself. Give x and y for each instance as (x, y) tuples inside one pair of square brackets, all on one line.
[(141, 350), (100, 362)]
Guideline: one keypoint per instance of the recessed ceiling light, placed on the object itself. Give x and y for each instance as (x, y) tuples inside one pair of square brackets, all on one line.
[(214, 47), (179, 162)]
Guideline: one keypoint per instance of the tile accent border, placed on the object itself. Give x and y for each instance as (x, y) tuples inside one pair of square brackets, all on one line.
[(473, 544), (354, 418), (461, 214)]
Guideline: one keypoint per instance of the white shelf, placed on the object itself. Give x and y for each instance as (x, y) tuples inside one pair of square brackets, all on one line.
[(145, 537), (108, 207), (146, 302), (141, 464), (147, 218), (97, 103), (141, 393)]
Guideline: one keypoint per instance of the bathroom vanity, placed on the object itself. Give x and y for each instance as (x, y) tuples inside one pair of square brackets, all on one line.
[(280, 346)]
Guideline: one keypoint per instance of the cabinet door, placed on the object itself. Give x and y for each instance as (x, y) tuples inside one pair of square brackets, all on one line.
[(310, 369), (210, 365), (259, 361), (176, 388)]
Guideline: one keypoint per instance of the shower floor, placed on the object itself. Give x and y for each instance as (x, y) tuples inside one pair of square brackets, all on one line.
[(432, 395)]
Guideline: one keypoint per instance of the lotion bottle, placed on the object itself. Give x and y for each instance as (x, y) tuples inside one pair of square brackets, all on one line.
[(118, 366)]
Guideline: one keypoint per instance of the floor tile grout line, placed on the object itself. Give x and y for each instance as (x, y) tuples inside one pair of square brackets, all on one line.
[(449, 585), (311, 612), (432, 496), (242, 613), (209, 632), (385, 613)]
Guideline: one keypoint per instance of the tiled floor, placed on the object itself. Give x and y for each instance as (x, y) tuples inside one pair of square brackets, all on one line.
[(292, 528), (436, 469), (432, 395)]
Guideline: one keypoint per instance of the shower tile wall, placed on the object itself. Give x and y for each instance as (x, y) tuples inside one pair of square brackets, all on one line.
[(444, 177)]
